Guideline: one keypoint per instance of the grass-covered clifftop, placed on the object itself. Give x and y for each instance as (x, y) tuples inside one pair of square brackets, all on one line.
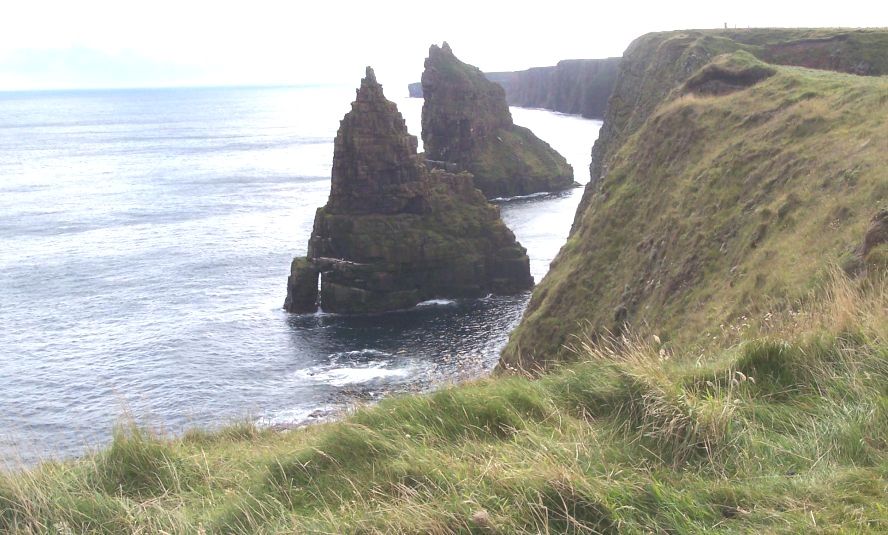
[(656, 63), (727, 184), (781, 427)]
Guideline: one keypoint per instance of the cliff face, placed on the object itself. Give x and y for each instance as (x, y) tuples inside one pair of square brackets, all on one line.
[(375, 166), (574, 86), (722, 185), (466, 124), (393, 232)]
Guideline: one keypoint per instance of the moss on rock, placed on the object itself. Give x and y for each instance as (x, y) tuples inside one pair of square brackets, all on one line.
[(395, 233), (466, 124)]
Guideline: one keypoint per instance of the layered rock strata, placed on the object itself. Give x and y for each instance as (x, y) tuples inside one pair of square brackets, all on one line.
[(395, 232), (466, 125)]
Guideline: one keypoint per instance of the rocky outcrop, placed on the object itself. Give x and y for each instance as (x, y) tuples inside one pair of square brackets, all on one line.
[(394, 232), (876, 234), (302, 286), (574, 86), (466, 124)]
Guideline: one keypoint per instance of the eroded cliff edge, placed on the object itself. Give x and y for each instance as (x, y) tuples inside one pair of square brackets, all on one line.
[(732, 170), (395, 233), (467, 126)]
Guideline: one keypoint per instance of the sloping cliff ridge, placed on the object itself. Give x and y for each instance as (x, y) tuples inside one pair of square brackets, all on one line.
[(721, 180), (575, 86), (395, 233), (467, 126)]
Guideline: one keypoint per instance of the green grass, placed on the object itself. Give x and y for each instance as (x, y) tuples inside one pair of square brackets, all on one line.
[(779, 428), (729, 185)]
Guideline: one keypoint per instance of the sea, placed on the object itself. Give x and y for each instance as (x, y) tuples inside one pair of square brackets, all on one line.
[(145, 241)]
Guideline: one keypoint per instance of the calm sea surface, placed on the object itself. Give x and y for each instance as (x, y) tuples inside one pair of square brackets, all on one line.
[(145, 242)]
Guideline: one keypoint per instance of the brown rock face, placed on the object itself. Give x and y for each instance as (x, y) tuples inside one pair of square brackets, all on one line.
[(374, 158), (462, 107), (466, 124), (302, 286), (876, 234), (575, 86), (395, 233)]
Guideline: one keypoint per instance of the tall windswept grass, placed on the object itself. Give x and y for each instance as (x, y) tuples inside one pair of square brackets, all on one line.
[(785, 430), (829, 366), (852, 305), (656, 405)]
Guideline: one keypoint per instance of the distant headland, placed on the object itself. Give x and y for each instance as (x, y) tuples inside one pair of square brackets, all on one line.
[(574, 86)]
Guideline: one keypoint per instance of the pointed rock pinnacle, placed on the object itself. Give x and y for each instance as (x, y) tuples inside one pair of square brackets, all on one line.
[(370, 88)]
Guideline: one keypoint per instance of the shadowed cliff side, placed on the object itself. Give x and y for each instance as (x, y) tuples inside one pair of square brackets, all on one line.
[(466, 125), (393, 232), (574, 86), (722, 185)]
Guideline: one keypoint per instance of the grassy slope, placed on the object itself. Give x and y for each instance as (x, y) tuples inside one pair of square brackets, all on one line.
[(656, 63), (783, 429), (713, 206)]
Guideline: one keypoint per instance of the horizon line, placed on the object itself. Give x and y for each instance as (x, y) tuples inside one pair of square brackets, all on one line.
[(176, 86)]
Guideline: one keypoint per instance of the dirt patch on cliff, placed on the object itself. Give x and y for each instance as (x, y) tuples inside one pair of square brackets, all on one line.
[(719, 80), (876, 234)]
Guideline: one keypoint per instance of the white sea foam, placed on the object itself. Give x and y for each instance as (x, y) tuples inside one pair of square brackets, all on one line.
[(348, 375), (296, 417), (437, 303), (519, 197), (360, 353)]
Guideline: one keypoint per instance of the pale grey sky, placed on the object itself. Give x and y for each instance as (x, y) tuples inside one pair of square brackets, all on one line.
[(119, 43)]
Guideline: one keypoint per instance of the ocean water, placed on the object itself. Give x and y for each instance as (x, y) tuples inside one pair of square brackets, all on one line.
[(145, 242)]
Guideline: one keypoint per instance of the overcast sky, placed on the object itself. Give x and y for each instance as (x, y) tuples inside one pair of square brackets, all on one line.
[(119, 43)]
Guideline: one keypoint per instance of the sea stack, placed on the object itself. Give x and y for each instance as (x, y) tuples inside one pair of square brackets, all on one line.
[(395, 233), (467, 126)]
